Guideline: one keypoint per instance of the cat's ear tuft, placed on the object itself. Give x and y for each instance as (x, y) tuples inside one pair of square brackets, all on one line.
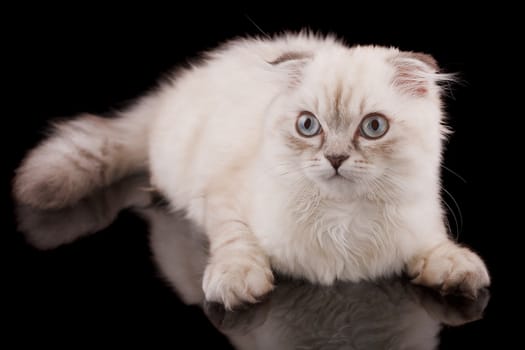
[(292, 63), (428, 60), (416, 73)]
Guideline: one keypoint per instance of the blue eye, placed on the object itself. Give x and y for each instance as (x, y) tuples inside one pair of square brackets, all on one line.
[(307, 125), (374, 126)]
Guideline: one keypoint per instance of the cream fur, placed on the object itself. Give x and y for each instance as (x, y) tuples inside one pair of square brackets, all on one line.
[(221, 143), (385, 314), (297, 315)]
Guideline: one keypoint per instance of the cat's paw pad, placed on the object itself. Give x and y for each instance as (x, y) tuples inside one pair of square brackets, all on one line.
[(451, 269), (233, 280)]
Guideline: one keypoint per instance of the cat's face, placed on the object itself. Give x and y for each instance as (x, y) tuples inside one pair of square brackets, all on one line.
[(360, 122)]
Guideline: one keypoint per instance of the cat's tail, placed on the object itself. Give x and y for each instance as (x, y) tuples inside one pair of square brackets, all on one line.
[(81, 155)]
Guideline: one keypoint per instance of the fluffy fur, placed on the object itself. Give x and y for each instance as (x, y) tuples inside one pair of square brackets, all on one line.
[(387, 314), (298, 315), (221, 142)]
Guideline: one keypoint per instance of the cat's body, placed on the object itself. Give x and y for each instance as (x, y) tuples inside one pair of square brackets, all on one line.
[(383, 314), (298, 152)]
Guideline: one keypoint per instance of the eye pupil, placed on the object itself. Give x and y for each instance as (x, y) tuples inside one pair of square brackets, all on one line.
[(374, 124), (308, 123)]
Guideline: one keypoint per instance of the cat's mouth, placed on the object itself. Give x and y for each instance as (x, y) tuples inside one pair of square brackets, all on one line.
[(337, 176)]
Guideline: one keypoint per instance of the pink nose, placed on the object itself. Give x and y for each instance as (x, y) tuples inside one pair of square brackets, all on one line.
[(337, 159)]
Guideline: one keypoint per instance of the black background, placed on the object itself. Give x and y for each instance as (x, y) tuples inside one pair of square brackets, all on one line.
[(104, 288)]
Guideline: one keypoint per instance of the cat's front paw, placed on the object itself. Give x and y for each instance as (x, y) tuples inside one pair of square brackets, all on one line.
[(235, 279), (450, 268)]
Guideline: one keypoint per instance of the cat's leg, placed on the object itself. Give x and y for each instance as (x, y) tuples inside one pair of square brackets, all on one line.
[(238, 270), (449, 267)]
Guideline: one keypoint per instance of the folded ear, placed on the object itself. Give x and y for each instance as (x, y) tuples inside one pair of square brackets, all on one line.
[(416, 73), (292, 64)]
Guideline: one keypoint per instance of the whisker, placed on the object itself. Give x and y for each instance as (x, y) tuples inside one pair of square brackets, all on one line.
[(292, 167), (294, 164), (296, 170), (457, 206), (454, 173), (388, 193), (455, 220), (379, 188), (256, 26), (389, 186), (449, 228)]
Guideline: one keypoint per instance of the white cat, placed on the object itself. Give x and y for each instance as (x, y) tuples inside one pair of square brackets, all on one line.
[(384, 314), (296, 153), (297, 315)]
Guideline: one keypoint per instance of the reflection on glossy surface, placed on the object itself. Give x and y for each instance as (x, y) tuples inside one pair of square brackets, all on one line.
[(383, 315), (47, 229), (389, 314)]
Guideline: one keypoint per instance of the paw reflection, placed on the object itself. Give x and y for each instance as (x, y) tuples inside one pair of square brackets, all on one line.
[(296, 315)]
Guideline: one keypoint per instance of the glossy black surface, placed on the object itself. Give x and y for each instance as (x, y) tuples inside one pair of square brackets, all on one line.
[(296, 315), (105, 288)]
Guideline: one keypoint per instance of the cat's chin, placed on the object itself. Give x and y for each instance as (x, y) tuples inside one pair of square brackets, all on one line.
[(338, 187)]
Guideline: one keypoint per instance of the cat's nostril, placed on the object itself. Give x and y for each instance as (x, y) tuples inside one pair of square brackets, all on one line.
[(337, 159)]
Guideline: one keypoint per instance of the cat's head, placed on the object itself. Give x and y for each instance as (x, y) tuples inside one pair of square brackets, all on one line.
[(362, 121)]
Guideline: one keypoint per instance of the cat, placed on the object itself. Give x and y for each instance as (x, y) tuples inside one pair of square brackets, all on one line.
[(297, 315), (383, 314), (294, 153)]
